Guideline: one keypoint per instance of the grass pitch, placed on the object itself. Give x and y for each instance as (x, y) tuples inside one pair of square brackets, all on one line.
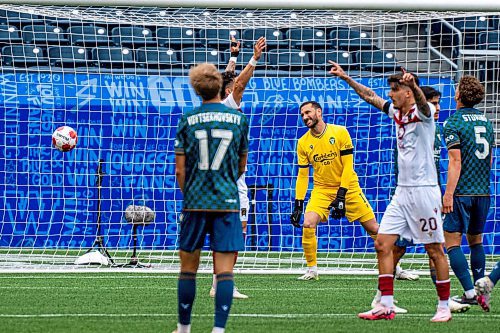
[(138, 302)]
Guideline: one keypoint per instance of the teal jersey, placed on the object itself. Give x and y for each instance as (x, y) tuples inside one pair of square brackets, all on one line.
[(212, 137), (438, 144), (471, 132)]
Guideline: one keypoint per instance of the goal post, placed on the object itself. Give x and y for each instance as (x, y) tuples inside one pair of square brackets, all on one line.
[(117, 74)]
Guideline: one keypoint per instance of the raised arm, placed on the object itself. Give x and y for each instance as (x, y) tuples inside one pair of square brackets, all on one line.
[(364, 92), (241, 81), (409, 80), (235, 51)]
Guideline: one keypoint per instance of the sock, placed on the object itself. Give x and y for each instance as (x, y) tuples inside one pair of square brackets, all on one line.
[(433, 275), (310, 245), (459, 265), (397, 270), (183, 328), (214, 278), (470, 293), (495, 273), (386, 287), (477, 261), (223, 298), (443, 291), (378, 296), (186, 291)]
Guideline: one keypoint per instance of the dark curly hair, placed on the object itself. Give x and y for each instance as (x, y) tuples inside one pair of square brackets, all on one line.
[(227, 78), (470, 90)]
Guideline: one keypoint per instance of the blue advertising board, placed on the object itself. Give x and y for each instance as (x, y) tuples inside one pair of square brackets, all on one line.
[(49, 199)]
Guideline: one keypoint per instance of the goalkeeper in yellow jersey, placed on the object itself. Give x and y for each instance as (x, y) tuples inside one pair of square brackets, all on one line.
[(328, 149)]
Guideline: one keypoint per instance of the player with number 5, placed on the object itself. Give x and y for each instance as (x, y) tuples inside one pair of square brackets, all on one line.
[(466, 201)]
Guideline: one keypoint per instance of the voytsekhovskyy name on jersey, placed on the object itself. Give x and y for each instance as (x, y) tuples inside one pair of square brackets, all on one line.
[(207, 117)]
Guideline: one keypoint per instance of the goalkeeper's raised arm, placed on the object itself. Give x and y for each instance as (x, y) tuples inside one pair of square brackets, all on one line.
[(364, 92)]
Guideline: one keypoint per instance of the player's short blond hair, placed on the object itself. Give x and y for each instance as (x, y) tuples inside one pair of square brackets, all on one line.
[(206, 80), (471, 91)]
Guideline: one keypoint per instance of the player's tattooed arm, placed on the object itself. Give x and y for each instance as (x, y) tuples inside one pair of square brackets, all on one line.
[(409, 80), (364, 92)]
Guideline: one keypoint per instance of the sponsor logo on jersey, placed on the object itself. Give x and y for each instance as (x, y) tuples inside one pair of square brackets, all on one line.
[(325, 157)]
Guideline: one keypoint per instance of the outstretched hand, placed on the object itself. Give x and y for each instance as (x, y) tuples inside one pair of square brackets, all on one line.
[(235, 46), (336, 70), (259, 46)]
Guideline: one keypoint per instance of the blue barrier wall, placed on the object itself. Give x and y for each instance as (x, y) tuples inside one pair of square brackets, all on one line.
[(49, 198)]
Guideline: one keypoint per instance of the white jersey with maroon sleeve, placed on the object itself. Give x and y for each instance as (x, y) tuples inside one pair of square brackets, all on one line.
[(242, 186), (415, 142), (230, 102)]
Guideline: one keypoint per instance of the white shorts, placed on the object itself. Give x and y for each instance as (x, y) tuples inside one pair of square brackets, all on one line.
[(414, 214), (243, 194)]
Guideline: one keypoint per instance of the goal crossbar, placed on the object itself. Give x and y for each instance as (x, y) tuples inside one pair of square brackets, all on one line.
[(405, 5)]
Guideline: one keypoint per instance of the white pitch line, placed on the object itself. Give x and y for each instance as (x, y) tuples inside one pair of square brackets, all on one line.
[(310, 289), (245, 315), (158, 276)]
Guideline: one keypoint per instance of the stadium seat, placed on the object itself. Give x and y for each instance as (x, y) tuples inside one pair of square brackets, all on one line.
[(218, 38), (19, 19), (43, 34), (274, 38), (376, 61), (489, 40), (157, 57), (470, 27), (289, 59), (113, 57), (68, 56), (23, 56), (350, 39), (320, 59), (88, 35), (177, 38), (193, 55), (9, 34), (132, 36), (471, 23), (307, 38)]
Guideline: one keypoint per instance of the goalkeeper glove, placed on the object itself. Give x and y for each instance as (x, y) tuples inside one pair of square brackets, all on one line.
[(337, 207), (297, 213)]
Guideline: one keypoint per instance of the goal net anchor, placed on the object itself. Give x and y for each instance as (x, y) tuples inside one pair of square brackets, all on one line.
[(97, 254)]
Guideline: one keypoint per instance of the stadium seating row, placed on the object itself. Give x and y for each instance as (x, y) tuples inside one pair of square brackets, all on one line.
[(75, 56), (178, 37)]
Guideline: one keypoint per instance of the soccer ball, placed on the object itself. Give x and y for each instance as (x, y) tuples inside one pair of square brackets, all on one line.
[(64, 138)]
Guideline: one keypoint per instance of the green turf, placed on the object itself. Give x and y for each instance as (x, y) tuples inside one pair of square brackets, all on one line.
[(121, 302)]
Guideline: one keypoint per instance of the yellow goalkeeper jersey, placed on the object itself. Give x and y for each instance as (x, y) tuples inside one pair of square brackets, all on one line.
[(323, 152)]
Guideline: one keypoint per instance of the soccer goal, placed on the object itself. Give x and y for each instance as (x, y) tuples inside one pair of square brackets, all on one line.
[(117, 75)]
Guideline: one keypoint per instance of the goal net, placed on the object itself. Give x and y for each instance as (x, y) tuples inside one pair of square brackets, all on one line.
[(118, 76)]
